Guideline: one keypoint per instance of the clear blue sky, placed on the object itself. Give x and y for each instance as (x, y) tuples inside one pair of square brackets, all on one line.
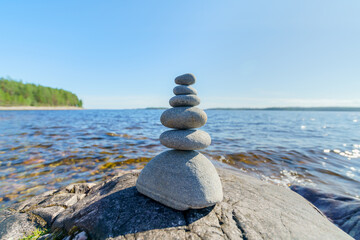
[(125, 54)]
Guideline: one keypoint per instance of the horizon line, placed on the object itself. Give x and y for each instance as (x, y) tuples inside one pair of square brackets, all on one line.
[(329, 108)]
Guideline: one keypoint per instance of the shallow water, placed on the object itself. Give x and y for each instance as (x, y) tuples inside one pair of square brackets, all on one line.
[(43, 150)]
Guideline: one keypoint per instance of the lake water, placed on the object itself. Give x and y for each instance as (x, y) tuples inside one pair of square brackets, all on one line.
[(42, 150)]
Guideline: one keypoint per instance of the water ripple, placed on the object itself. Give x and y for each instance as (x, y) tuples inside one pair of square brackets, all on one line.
[(43, 150)]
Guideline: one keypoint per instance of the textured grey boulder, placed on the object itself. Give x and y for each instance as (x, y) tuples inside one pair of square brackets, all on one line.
[(14, 225), (181, 180), (185, 139), (185, 79), (184, 100), (344, 211), (39, 211), (183, 118), (114, 209), (184, 90)]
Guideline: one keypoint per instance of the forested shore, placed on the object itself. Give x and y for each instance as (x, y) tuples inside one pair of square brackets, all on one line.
[(17, 93)]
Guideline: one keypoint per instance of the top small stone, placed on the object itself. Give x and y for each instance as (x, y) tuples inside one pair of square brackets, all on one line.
[(185, 79)]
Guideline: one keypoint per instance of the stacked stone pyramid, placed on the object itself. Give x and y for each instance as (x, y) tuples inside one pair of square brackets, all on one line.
[(182, 178)]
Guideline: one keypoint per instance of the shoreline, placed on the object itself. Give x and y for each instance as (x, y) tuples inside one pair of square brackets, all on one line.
[(24, 108)]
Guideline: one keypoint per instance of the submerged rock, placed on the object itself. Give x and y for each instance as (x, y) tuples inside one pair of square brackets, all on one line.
[(114, 209)]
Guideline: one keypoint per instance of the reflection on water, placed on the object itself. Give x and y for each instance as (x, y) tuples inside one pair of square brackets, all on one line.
[(42, 150)]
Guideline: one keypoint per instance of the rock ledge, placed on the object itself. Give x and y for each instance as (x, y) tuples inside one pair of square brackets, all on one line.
[(114, 209)]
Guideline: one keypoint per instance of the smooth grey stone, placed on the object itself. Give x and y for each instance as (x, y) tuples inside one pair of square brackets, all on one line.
[(251, 209), (183, 117), (185, 79), (185, 139), (181, 180), (184, 90), (184, 101)]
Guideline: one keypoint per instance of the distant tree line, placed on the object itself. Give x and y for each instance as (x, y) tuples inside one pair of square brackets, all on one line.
[(17, 93)]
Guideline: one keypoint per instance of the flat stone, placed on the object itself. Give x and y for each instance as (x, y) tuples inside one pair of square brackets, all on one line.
[(181, 180), (185, 139), (184, 90), (184, 101), (185, 79), (183, 117), (48, 214)]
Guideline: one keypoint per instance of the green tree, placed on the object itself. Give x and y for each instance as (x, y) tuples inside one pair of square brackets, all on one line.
[(17, 93)]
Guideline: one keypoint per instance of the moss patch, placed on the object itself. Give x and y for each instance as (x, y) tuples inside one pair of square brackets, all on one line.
[(36, 234)]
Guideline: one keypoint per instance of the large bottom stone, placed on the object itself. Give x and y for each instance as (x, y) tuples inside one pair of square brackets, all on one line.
[(181, 180)]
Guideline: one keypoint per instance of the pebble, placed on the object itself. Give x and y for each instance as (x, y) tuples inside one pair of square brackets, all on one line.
[(181, 180), (185, 79), (184, 100), (183, 117), (185, 139), (184, 90)]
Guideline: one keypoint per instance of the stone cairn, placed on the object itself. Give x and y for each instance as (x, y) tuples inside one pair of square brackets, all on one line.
[(182, 178)]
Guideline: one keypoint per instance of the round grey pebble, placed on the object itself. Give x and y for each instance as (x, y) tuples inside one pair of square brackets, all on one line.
[(181, 180), (184, 101), (185, 79), (184, 90), (185, 139), (183, 117)]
